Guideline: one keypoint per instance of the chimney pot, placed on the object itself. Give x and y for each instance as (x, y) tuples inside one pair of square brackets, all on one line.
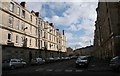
[(23, 4)]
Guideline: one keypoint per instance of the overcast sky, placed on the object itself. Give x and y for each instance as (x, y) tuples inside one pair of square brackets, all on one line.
[(76, 18)]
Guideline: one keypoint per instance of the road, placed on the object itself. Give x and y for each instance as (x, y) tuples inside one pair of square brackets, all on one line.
[(61, 68)]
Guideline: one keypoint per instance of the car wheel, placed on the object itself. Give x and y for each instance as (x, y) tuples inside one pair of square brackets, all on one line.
[(12, 67)]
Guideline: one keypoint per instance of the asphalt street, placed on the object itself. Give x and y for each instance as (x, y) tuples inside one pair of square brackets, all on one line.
[(61, 68)]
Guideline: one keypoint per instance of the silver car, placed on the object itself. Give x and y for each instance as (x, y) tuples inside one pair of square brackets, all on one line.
[(13, 63), (82, 61), (50, 59), (37, 61)]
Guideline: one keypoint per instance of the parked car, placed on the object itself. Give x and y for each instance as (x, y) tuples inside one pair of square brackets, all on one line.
[(67, 58), (50, 59), (73, 57), (63, 58), (37, 61), (57, 58), (115, 63), (82, 56), (82, 62), (89, 57), (13, 63)]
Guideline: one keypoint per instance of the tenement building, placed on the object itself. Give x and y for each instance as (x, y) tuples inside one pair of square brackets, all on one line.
[(25, 35), (70, 51), (107, 32), (88, 51)]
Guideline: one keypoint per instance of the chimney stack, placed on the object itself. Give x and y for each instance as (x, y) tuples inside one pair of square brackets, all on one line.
[(57, 29), (63, 32), (37, 14), (32, 11), (23, 4), (51, 24)]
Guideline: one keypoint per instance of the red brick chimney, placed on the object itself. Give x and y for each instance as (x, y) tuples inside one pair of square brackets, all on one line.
[(23, 4)]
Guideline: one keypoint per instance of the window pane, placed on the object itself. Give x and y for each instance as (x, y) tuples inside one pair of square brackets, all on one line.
[(9, 36), (30, 29), (31, 18), (36, 21), (17, 24), (16, 38), (30, 41), (41, 44), (36, 43), (23, 14), (11, 6), (22, 26), (22, 40), (10, 21), (41, 34), (18, 10), (39, 23)]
